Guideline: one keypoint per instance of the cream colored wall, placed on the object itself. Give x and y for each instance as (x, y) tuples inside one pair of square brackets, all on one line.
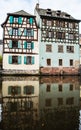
[(22, 30), (21, 66), (6, 84), (35, 50)]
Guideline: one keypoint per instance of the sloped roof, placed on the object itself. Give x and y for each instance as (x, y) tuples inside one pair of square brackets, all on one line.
[(21, 13), (18, 13), (55, 14)]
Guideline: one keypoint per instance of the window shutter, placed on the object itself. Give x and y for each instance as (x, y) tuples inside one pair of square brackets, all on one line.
[(11, 19), (10, 59), (25, 60), (10, 31), (19, 59), (25, 45), (32, 45), (19, 44), (33, 60), (9, 106), (10, 44), (20, 20), (25, 90), (31, 104), (19, 32), (31, 20), (25, 32), (19, 90), (32, 89), (9, 90), (32, 32)]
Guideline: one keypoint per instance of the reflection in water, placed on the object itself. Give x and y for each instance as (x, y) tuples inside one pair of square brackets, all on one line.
[(46, 103)]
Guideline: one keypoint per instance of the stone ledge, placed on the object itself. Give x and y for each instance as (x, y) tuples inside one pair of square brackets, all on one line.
[(18, 72)]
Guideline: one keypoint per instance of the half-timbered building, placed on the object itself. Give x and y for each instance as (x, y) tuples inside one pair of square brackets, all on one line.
[(58, 41), (20, 42)]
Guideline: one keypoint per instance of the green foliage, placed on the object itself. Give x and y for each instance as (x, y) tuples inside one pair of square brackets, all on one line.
[(0, 59)]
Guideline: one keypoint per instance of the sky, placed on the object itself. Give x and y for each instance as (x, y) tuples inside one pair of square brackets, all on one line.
[(72, 7)]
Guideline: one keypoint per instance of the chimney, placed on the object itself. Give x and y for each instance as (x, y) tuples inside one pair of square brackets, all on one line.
[(37, 5)]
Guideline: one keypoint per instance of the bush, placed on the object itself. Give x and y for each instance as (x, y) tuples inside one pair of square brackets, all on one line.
[(0, 59)]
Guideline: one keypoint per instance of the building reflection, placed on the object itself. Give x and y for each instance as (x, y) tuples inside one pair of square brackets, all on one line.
[(36, 103), (59, 103), (20, 103)]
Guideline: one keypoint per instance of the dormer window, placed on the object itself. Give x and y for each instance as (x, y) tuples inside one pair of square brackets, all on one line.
[(58, 12), (67, 15), (49, 12)]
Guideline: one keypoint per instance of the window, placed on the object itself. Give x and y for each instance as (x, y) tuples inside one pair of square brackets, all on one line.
[(13, 106), (48, 87), (48, 48), (44, 22), (15, 31), (49, 34), (60, 62), (14, 90), (60, 87), (48, 62), (60, 35), (71, 87), (60, 23), (71, 62), (49, 12), (49, 23), (71, 25), (28, 104), (60, 48), (29, 60), (60, 101), (14, 59), (71, 36), (28, 45), (29, 89), (14, 44), (70, 101), (70, 49), (48, 103), (29, 32), (15, 19)]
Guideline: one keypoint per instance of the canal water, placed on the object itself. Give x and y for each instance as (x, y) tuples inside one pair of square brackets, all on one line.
[(40, 103)]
